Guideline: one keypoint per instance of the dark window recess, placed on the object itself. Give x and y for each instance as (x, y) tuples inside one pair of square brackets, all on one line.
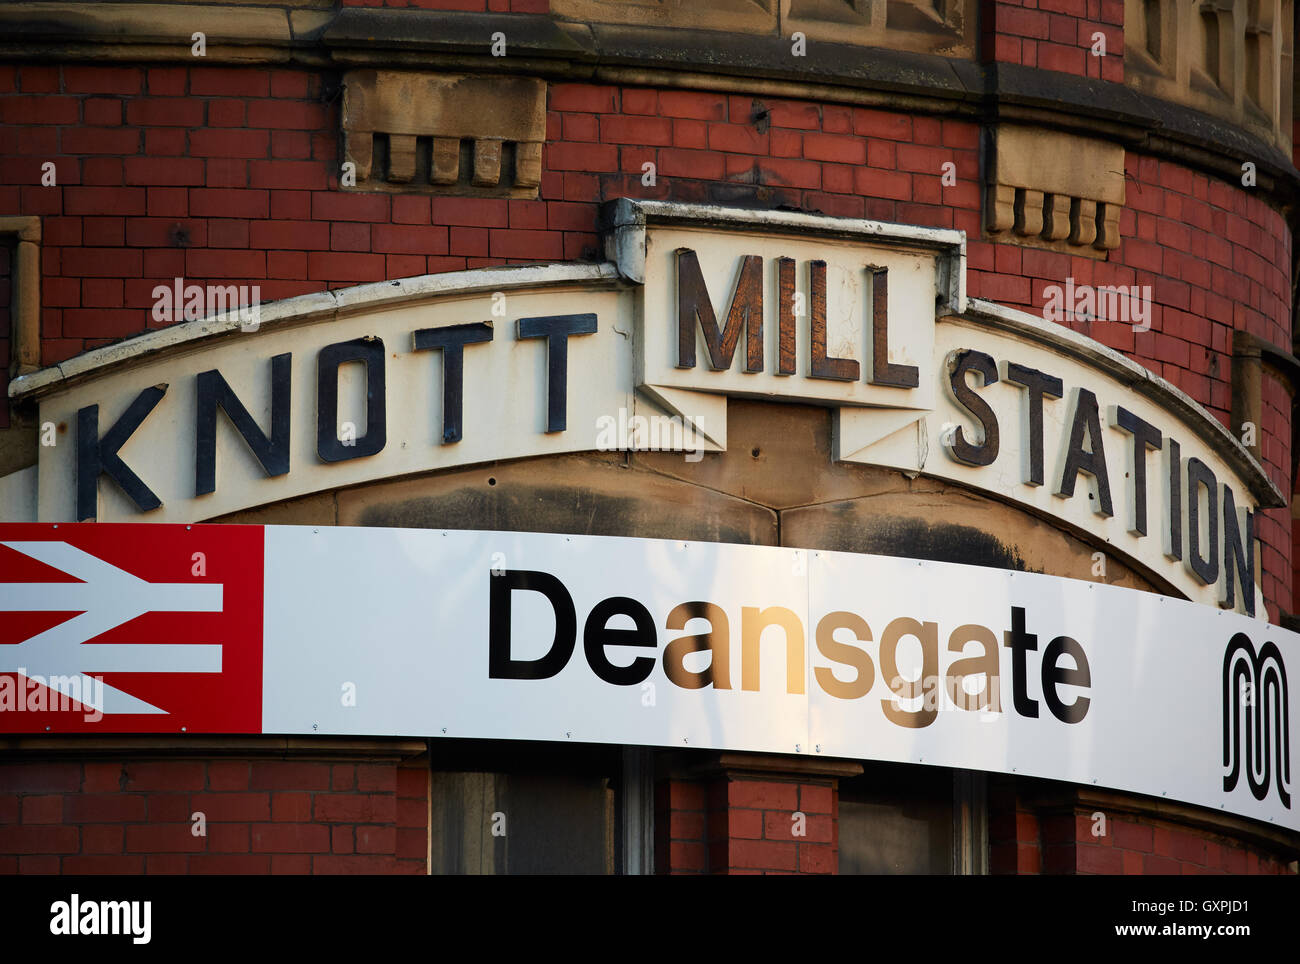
[(898, 819), (525, 809)]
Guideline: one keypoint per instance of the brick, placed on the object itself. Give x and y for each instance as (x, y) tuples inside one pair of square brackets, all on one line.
[(152, 112), (792, 173), (377, 777), (240, 864), (739, 139), (882, 124), (42, 808), (338, 267), (350, 236), (335, 206), (894, 185), (102, 838), (290, 145), (621, 129), (163, 171), (228, 203), (116, 201), (220, 807), (376, 840), (228, 838), (290, 838), (793, 114), (104, 808), (290, 864), (694, 164), (580, 157), (531, 245), (355, 808), (103, 864), (291, 806), (228, 776), (38, 840), (101, 80), (409, 239), (412, 782), (469, 241), (225, 263), (40, 79), (168, 202), (101, 263), (40, 110), (341, 841), (163, 838), (169, 808), (230, 81), (761, 854), (413, 844), (290, 175), (817, 859), (288, 114), (640, 101), (582, 97), (840, 149), (226, 113), (229, 143), (410, 210), (763, 794), (692, 104), (103, 232), (102, 112), (290, 83)]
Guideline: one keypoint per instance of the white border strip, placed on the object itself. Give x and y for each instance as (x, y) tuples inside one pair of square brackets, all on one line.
[(276, 314), (1140, 379)]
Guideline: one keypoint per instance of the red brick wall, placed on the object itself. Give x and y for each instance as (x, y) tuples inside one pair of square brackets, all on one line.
[(1025, 838), (263, 816), (230, 174), (1055, 35), (741, 825)]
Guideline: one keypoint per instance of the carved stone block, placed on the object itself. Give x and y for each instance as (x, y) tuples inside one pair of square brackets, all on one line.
[(408, 131), (1058, 190)]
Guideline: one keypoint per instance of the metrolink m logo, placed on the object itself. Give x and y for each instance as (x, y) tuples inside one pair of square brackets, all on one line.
[(1255, 700)]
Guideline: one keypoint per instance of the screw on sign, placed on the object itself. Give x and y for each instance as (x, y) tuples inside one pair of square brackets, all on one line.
[(116, 628)]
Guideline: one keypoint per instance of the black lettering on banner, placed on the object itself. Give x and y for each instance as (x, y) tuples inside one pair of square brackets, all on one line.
[(451, 341), (597, 635), (370, 352), (1204, 566), (501, 664), (1040, 385), (215, 392), (557, 329), (98, 456), (1174, 499), (959, 363), (1091, 460), (695, 306), (821, 364), (1238, 554), (1145, 437), (1055, 674), (883, 371), (1020, 643)]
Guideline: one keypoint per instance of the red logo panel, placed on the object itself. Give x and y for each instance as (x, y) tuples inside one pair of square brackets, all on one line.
[(130, 628)]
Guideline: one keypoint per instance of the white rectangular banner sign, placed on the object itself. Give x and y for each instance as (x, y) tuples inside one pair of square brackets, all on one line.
[(506, 635)]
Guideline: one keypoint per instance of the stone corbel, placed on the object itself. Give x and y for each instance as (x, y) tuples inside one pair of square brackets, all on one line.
[(1056, 190), (408, 131)]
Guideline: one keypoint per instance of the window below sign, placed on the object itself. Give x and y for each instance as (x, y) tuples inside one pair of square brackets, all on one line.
[(903, 819), (535, 808)]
